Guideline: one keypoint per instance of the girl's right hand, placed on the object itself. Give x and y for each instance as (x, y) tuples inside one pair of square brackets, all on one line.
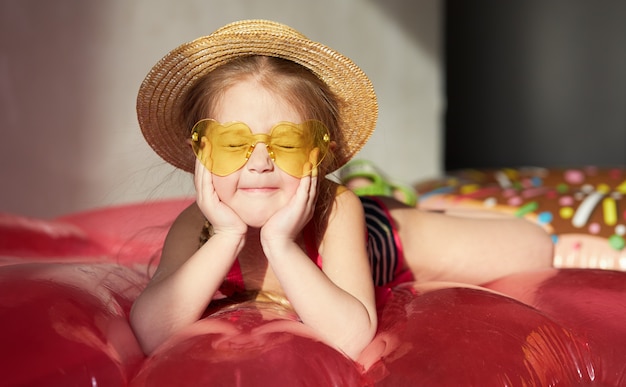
[(220, 216)]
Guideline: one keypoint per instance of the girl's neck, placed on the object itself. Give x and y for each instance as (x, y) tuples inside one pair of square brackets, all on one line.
[(254, 265), (252, 252)]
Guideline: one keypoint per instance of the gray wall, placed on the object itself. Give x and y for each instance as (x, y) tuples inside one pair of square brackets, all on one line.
[(70, 70)]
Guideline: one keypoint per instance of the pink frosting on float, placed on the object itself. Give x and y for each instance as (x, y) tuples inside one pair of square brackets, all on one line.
[(574, 176)]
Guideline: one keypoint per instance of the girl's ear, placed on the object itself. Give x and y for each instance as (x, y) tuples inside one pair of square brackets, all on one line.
[(332, 146)]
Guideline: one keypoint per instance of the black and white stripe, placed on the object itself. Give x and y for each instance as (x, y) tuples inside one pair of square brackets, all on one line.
[(381, 246)]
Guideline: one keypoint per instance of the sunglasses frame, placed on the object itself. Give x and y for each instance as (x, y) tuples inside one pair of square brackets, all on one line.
[(200, 130)]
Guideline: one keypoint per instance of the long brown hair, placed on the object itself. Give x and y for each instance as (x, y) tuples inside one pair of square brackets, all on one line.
[(309, 96)]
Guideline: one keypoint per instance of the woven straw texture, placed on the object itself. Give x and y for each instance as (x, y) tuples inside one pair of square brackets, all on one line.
[(162, 91)]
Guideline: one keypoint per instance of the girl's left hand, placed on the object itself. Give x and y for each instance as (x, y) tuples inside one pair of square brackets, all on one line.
[(287, 222)]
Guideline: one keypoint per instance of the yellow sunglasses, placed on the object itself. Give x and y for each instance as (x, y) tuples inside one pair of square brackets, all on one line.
[(290, 146)]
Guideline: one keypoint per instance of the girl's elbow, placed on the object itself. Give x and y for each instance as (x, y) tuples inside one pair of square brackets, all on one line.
[(143, 330), (359, 339), (356, 347)]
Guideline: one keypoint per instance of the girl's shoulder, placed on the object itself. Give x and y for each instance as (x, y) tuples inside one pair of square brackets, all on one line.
[(181, 242), (346, 209), (187, 227), (190, 217)]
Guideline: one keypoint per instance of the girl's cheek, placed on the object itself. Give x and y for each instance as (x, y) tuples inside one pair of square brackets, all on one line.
[(225, 186), (291, 184)]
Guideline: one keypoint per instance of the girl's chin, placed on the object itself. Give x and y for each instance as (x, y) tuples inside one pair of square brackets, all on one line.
[(256, 215), (255, 224), (255, 221)]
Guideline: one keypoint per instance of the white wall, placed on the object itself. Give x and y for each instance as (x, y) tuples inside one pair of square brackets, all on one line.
[(70, 70)]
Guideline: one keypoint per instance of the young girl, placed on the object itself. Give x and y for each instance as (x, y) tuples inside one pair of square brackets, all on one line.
[(260, 114)]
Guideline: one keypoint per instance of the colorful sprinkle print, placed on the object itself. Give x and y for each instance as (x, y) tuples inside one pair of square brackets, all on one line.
[(570, 201)]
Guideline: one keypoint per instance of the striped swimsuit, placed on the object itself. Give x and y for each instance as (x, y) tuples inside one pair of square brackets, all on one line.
[(384, 250)]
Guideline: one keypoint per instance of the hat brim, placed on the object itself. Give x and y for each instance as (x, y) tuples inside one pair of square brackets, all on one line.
[(162, 91)]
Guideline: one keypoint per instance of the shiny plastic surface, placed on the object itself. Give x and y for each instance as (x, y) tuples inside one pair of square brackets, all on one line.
[(64, 322)]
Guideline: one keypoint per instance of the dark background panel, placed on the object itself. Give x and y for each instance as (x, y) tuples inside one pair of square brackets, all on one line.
[(535, 82)]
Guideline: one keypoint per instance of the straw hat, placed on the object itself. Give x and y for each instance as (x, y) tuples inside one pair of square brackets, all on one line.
[(163, 90)]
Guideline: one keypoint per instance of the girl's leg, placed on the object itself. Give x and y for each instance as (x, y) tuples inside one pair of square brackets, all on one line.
[(472, 247)]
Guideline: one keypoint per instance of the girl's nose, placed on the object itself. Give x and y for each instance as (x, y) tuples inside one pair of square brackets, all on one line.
[(260, 159)]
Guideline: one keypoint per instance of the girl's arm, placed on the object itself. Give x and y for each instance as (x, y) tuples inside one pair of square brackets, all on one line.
[(338, 302), (184, 282)]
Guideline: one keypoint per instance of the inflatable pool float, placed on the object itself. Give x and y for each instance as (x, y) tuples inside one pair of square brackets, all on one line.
[(67, 285)]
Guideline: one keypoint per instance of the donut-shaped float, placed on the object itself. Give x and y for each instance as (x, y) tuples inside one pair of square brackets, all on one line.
[(66, 287), (584, 209)]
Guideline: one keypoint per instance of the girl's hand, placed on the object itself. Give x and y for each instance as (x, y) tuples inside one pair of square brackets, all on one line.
[(286, 224), (222, 218)]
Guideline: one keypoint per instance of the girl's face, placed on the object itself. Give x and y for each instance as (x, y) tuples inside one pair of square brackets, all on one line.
[(259, 189)]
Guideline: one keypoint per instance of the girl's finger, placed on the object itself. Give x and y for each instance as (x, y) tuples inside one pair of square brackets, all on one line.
[(312, 193), (307, 169), (313, 158)]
